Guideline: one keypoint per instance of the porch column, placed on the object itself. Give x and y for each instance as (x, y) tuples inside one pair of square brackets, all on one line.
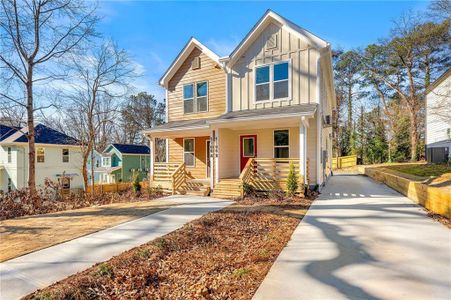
[(216, 155), (303, 149), (211, 153), (152, 155)]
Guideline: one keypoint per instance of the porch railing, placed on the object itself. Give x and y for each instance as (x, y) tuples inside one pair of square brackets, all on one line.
[(163, 171), (266, 174)]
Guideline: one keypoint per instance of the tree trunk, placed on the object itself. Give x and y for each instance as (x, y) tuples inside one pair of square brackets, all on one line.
[(31, 133), (85, 169), (413, 135)]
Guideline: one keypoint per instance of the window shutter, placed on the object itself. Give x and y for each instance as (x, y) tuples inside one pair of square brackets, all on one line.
[(196, 63)]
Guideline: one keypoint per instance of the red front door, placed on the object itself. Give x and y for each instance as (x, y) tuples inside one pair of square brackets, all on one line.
[(248, 149)]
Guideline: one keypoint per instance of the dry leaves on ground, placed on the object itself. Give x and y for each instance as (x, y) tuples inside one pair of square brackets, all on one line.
[(223, 255)]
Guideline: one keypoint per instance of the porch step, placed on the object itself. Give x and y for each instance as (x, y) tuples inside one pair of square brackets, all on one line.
[(201, 192), (227, 189), (196, 187)]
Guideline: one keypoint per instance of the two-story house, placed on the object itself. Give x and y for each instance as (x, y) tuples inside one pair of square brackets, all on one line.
[(246, 117), (438, 120), (121, 162), (58, 158)]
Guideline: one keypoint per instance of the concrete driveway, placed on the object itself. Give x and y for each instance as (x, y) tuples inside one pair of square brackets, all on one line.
[(362, 240), (25, 274)]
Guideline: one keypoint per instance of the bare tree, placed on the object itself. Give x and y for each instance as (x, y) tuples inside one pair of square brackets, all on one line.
[(101, 78), (34, 35)]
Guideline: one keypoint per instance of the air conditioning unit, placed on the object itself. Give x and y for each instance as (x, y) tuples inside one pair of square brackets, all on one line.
[(195, 64)]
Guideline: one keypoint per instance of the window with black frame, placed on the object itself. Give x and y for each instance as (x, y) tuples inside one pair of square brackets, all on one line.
[(281, 144)]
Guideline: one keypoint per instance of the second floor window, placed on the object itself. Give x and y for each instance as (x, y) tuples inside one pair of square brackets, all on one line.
[(195, 97), (40, 155), (272, 82), (10, 159), (106, 162), (65, 155)]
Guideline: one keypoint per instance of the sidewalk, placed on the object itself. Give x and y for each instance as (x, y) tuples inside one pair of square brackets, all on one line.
[(25, 274)]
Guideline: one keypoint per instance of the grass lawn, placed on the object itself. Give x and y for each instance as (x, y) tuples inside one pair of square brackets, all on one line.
[(422, 170), (27, 234), (222, 255)]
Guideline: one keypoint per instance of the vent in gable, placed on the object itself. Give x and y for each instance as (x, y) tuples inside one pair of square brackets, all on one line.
[(271, 43), (195, 63)]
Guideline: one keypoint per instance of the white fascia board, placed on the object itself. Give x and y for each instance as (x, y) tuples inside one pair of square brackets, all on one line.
[(259, 118), (190, 45)]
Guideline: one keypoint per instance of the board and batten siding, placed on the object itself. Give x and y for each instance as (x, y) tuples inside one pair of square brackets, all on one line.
[(303, 72), (209, 71)]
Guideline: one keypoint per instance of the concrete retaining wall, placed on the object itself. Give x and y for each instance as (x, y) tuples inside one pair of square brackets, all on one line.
[(435, 199)]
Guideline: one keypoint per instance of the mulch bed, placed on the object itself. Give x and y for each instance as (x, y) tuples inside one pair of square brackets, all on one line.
[(223, 255)]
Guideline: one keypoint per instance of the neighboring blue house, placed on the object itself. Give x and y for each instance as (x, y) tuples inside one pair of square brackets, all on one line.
[(120, 162)]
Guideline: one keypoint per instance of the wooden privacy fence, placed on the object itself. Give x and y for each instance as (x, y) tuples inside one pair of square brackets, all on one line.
[(344, 161), (113, 187), (267, 174)]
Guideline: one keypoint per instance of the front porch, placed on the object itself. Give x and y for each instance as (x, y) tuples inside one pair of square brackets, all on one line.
[(224, 157)]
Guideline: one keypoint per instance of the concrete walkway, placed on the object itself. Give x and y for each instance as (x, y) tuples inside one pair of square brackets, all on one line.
[(25, 274), (362, 240)]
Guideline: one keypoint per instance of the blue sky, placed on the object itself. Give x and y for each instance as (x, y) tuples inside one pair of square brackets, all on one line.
[(154, 32)]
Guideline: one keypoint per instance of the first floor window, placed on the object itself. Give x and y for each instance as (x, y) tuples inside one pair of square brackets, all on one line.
[(188, 152), (10, 184), (65, 155), (9, 155), (40, 155), (281, 144)]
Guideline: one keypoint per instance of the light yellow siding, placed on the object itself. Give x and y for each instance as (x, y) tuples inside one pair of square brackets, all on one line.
[(199, 171), (303, 60), (229, 147), (209, 71)]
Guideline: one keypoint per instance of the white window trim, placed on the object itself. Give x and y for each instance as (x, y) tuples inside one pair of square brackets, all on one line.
[(194, 152), (194, 84), (68, 155), (249, 138), (274, 146), (37, 155), (271, 81)]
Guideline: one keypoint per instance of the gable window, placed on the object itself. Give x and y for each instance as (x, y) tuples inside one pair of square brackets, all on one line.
[(195, 97), (188, 152), (65, 155), (10, 159), (272, 82), (281, 144), (40, 155)]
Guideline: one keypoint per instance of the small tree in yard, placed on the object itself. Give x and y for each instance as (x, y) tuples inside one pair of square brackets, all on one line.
[(136, 184), (292, 181)]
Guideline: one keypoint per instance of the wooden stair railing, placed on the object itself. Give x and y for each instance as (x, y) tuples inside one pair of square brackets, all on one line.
[(246, 175), (178, 178)]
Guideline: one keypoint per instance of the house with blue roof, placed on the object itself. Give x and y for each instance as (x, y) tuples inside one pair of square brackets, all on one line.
[(58, 158), (121, 162)]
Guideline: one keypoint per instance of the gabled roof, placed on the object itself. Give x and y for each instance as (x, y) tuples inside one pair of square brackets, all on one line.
[(131, 149), (43, 135), (439, 80), (181, 57), (268, 18), (7, 131)]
